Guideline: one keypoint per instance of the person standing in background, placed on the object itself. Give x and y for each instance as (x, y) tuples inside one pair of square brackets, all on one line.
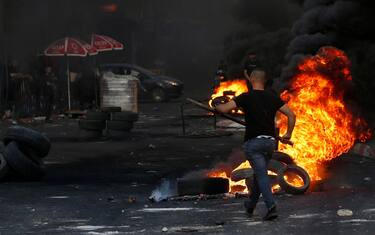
[(50, 90)]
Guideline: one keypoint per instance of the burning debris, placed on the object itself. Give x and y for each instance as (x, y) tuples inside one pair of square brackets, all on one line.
[(325, 126)]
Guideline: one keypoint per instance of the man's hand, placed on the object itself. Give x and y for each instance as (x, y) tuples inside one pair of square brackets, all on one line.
[(291, 123)]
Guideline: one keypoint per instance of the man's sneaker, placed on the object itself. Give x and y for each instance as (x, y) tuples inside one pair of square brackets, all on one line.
[(271, 214), (249, 208)]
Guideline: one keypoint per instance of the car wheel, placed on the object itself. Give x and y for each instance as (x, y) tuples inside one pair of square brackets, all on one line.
[(297, 171), (34, 140), (209, 186), (159, 95)]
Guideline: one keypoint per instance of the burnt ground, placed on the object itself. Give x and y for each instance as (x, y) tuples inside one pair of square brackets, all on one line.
[(90, 183)]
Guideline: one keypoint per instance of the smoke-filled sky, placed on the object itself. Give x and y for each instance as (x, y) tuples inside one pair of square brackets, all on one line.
[(183, 37)]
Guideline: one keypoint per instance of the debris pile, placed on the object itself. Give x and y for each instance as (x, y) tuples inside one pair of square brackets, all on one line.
[(23, 153)]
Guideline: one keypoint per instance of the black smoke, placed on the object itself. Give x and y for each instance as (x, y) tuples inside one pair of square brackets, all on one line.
[(264, 30), (345, 24)]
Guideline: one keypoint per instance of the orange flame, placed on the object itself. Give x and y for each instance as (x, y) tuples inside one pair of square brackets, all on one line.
[(236, 86), (325, 128)]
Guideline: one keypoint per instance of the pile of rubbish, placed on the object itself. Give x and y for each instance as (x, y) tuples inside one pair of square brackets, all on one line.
[(22, 154)]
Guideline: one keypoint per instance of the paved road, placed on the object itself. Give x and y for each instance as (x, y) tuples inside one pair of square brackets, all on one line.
[(90, 187)]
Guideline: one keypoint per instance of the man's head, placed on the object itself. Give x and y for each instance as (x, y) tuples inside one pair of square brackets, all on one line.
[(258, 78)]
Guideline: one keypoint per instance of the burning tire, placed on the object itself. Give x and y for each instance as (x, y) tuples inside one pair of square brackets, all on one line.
[(283, 157), (299, 173), (119, 125), (29, 167), (92, 125), (241, 174), (4, 168), (209, 186), (34, 140), (99, 116), (125, 116), (276, 166)]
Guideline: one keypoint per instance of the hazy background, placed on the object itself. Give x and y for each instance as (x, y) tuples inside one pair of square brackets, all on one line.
[(185, 38)]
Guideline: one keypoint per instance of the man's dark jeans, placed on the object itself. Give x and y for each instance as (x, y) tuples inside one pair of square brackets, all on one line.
[(259, 152)]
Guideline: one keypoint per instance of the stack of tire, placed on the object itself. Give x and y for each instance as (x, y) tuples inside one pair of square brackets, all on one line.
[(110, 119), (281, 164), (23, 153)]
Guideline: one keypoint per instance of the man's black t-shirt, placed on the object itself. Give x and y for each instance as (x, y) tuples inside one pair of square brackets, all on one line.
[(260, 109)]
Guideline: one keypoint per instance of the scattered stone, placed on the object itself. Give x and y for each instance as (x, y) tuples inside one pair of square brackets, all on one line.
[(344, 212), (165, 229), (146, 206), (151, 146), (367, 179)]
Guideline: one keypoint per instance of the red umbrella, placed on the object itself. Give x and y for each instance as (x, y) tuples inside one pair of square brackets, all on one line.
[(105, 43), (70, 47)]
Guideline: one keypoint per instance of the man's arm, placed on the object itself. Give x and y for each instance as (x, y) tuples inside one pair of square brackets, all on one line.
[(245, 73), (227, 107), (291, 121)]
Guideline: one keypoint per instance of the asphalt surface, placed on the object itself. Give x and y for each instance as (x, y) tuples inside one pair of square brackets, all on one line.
[(102, 186)]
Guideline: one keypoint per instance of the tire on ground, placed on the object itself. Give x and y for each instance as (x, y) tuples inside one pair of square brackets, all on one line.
[(241, 174), (37, 142), (119, 125), (125, 116), (111, 109), (283, 157), (209, 186), (91, 125), (99, 116), (4, 168), (276, 166), (290, 188), (29, 167)]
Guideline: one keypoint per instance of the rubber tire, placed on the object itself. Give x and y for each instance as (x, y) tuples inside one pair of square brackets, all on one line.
[(241, 174), (4, 168), (289, 188), (99, 116), (37, 142), (91, 125), (276, 166), (29, 167), (208, 186), (111, 109), (125, 116), (283, 157), (273, 181), (159, 95), (120, 125)]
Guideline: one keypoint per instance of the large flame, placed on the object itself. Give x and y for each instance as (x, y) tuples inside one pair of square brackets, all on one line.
[(325, 127), (237, 87)]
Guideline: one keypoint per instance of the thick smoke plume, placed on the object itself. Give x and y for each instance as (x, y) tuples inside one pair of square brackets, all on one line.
[(339, 23)]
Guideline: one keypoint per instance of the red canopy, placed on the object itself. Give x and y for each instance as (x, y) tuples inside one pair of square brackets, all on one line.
[(70, 47), (105, 43)]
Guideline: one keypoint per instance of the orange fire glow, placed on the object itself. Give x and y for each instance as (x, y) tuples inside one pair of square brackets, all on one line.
[(236, 86), (325, 127)]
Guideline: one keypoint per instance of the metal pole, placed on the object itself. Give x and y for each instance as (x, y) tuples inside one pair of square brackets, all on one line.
[(68, 77)]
